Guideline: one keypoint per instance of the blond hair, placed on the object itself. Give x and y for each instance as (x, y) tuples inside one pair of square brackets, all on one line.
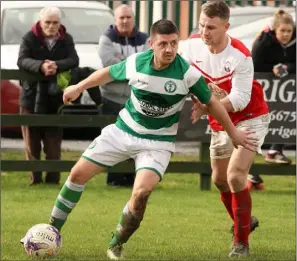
[(282, 17)]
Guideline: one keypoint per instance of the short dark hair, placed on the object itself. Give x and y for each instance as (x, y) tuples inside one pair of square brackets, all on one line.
[(164, 26), (216, 8)]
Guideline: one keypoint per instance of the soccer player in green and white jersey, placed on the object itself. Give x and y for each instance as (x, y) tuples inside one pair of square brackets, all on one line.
[(145, 129)]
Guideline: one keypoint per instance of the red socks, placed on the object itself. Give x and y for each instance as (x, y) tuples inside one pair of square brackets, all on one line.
[(226, 198), (242, 205), (239, 207)]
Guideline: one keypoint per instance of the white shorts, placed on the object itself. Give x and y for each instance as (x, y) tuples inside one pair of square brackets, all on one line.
[(114, 146), (221, 146)]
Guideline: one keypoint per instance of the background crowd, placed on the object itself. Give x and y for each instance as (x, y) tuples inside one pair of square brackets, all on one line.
[(48, 49)]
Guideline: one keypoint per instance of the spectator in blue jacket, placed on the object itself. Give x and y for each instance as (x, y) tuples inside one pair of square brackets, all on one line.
[(119, 41)]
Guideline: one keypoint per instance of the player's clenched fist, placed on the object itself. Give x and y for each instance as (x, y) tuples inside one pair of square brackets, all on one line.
[(71, 93)]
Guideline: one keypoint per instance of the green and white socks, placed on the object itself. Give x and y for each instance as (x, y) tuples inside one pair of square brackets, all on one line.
[(128, 224), (65, 202), (67, 199)]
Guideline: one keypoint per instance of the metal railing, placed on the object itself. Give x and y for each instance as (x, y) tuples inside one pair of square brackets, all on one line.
[(148, 11)]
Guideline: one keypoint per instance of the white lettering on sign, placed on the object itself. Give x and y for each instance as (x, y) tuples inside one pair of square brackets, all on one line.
[(274, 92)]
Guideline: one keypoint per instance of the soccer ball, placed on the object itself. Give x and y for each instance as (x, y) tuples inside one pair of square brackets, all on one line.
[(42, 240)]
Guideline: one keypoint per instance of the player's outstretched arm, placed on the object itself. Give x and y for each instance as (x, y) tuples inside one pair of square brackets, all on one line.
[(239, 137), (97, 78)]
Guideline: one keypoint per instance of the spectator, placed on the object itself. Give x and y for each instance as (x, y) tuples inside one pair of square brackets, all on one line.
[(274, 46), (119, 42), (47, 49)]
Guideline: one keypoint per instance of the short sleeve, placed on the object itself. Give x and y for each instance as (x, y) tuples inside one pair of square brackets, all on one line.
[(197, 85), (118, 71), (185, 50)]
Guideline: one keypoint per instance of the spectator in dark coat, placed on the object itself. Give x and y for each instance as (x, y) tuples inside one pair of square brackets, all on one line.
[(46, 50), (276, 46)]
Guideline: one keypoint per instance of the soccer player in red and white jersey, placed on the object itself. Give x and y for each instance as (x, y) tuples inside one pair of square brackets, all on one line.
[(227, 66)]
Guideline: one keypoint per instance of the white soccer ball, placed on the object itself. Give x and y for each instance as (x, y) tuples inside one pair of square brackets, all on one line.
[(42, 240)]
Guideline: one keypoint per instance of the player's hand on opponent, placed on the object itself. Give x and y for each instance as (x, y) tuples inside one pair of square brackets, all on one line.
[(71, 93), (246, 139), (198, 110), (217, 91)]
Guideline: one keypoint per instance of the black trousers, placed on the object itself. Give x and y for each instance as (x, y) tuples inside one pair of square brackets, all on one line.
[(116, 179), (277, 147)]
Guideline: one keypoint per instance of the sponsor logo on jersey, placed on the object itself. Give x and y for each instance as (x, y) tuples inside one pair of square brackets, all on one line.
[(154, 105), (142, 81)]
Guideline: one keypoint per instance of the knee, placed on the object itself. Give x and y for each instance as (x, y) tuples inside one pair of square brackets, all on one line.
[(220, 181), (77, 176), (236, 178), (139, 198)]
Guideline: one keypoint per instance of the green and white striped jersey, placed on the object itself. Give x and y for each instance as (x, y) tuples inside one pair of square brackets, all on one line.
[(157, 96)]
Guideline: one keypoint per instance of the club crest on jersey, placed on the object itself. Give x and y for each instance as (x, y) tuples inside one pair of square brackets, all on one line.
[(170, 86), (227, 66)]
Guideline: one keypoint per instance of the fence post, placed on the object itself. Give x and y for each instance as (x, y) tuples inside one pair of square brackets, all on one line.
[(110, 4), (277, 3), (251, 2), (164, 9), (143, 16), (205, 178), (239, 2), (137, 11), (228, 2), (150, 17), (197, 7), (191, 15), (177, 13), (264, 3)]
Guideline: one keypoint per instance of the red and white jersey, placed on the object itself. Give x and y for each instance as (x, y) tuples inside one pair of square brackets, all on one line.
[(232, 71)]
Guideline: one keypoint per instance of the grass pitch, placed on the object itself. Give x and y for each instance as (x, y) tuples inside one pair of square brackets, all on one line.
[(181, 222)]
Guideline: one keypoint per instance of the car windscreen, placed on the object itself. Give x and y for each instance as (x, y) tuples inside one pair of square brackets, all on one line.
[(85, 25)]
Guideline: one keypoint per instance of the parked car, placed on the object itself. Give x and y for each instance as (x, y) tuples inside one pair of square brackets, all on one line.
[(84, 20), (10, 93)]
